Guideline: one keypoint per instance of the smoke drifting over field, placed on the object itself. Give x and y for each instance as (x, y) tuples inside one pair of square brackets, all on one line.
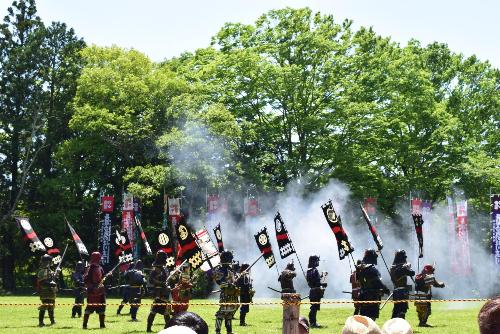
[(310, 234)]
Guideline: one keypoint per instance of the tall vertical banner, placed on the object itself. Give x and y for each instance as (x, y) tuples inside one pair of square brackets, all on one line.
[(452, 242), (416, 206), (463, 238), (174, 210), (137, 230), (107, 207), (495, 227), (251, 207), (427, 214), (285, 245), (128, 217), (164, 224), (213, 206)]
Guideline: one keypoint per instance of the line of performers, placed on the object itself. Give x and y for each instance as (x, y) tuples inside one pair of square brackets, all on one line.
[(235, 287)]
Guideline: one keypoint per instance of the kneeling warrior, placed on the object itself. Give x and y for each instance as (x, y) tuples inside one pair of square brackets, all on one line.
[(244, 283), (286, 278), (317, 288), (161, 290), (400, 270), (96, 292), (225, 277), (78, 289), (181, 291), (372, 287), (423, 284), (47, 288), (137, 284)]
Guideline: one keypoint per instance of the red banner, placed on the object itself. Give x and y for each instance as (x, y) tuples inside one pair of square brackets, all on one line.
[(128, 217), (107, 203), (251, 207), (370, 206), (416, 206)]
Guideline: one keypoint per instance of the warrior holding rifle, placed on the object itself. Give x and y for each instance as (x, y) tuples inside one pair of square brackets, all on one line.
[(400, 271), (47, 289)]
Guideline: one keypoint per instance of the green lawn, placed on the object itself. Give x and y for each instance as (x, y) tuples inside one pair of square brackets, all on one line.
[(449, 318)]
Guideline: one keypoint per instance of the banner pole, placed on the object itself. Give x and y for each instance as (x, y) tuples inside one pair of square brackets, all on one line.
[(300, 264)]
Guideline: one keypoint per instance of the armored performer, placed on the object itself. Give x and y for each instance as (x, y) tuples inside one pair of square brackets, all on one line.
[(355, 286), (47, 288), (125, 290), (244, 283), (225, 277), (286, 278), (372, 287), (96, 292), (181, 291), (137, 284), (400, 270), (423, 285), (161, 290), (317, 289), (78, 289)]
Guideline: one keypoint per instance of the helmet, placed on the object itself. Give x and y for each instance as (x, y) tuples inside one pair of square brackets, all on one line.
[(226, 257), (160, 259), (428, 269), (79, 266), (313, 261), (139, 265), (290, 266), (46, 259), (95, 258), (244, 267), (400, 256), (370, 256)]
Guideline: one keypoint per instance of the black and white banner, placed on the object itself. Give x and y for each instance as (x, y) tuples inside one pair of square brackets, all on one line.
[(262, 239), (285, 245), (495, 227)]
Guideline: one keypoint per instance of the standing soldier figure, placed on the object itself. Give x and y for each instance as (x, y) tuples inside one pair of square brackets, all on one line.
[(136, 282), (400, 270), (161, 290), (225, 277), (96, 292), (317, 289), (372, 287), (286, 278), (47, 288), (181, 291), (125, 290), (355, 286), (244, 283), (424, 283), (78, 289)]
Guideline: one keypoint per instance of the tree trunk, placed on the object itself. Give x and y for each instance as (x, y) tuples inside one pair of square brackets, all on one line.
[(8, 281)]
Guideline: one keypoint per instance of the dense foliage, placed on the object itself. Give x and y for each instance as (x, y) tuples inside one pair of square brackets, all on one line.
[(294, 98)]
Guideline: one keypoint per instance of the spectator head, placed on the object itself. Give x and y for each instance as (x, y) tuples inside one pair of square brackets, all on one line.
[(190, 320), (396, 326), (177, 330), (303, 325), (489, 317), (359, 324)]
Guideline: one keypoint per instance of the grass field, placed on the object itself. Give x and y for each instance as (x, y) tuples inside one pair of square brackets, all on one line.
[(449, 318)]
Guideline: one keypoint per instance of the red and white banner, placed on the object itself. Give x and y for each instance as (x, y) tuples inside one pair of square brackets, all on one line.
[(462, 230), (251, 207), (128, 217), (416, 206)]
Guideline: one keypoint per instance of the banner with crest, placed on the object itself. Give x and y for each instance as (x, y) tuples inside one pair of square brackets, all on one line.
[(123, 249), (52, 250), (285, 245), (165, 244), (107, 207), (188, 247), (29, 235), (335, 223), (262, 239), (79, 243), (418, 221), (210, 254), (218, 238)]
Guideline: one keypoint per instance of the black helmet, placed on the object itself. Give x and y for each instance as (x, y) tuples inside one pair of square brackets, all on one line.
[(46, 259), (160, 259), (370, 256), (400, 256), (226, 257), (79, 266), (139, 265), (313, 261), (244, 267), (290, 266)]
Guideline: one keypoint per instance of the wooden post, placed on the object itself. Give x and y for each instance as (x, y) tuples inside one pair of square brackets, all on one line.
[(291, 313)]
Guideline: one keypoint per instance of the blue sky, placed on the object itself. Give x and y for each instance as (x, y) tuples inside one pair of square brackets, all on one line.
[(164, 28)]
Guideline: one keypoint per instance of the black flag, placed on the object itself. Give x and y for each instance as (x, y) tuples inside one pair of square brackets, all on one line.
[(79, 243), (123, 248), (189, 248), (262, 239), (419, 221), (165, 244), (284, 243), (372, 229), (218, 237), (335, 223), (52, 250), (30, 236)]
